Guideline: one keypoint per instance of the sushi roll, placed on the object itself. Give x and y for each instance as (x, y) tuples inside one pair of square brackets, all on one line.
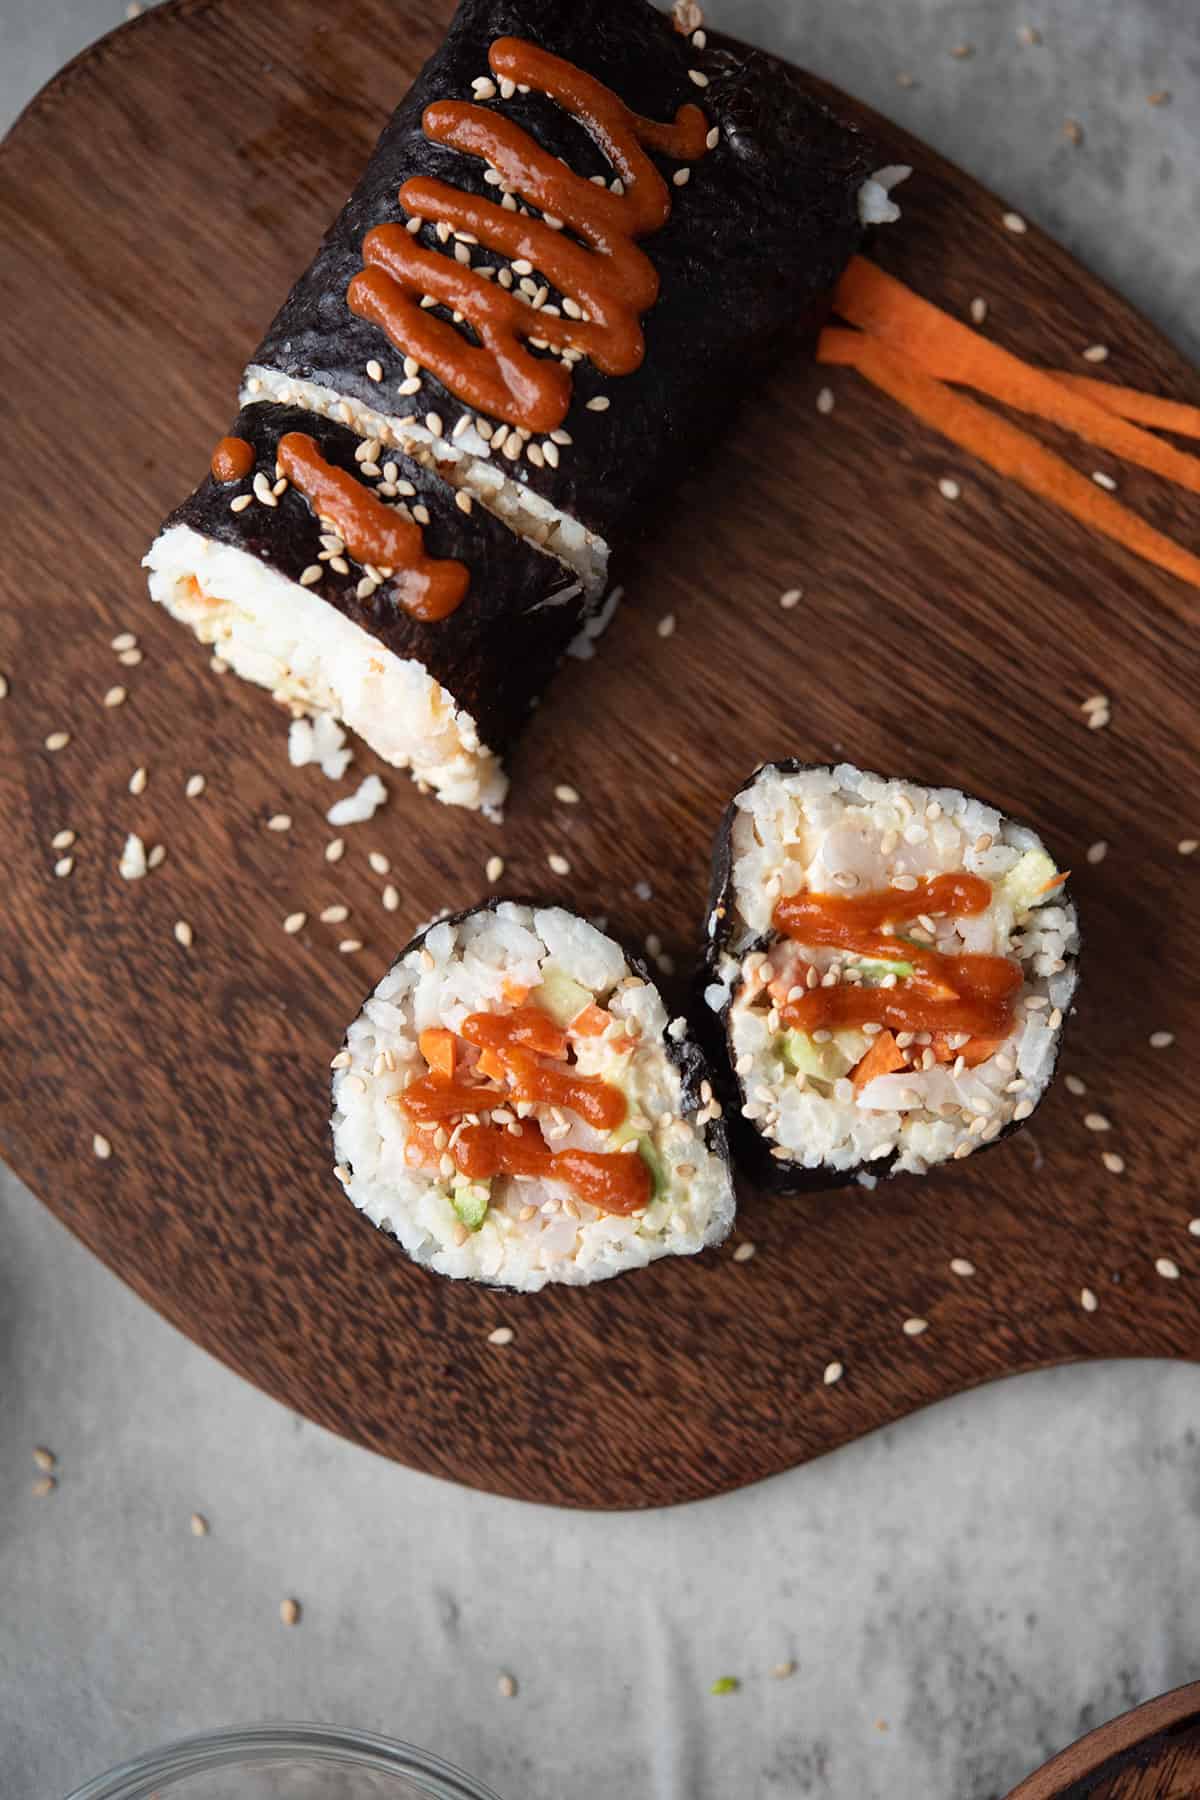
[(515, 1105), (891, 967), (580, 238), (360, 588)]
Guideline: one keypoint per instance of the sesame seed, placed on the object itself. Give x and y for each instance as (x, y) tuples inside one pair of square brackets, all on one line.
[(506, 1686), (342, 1060), (1014, 222), (349, 946), (335, 849), (1098, 719), (1166, 1268), (375, 370), (295, 922), (63, 866), (905, 80), (198, 1525), (790, 598), (1096, 353), (567, 794), (1095, 1121), (681, 177), (502, 1335), (1073, 131), (960, 1266), (335, 915), (1194, 1227), (3, 687), (948, 489), (463, 501), (1161, 1040), (666, 625), (45, 1484), (713, 138), (101, 1147), (1104, 481), (310, 575), (184, 934), (558, 863), (279, 822), (744, 1252), (157, 856), (905, 883), (1023, 1109), (289, 1612), (379, 862), (698, 78), (1113, 1163), (978, 310), (833, 1372), (598, 403), (1188, 846), (914, 1327), (62, 840), (494, 868), (825, 400), (391, 898), (433, 424), (1088, 1300), (45, 1459), (58, 740), (240, 502), (194, 786), (1098, 851)]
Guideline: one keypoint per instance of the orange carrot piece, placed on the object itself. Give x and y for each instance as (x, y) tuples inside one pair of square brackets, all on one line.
[(883, 1058), (593, 1021), (437, 1047), (1131, 403), (514, 993), (490, 1066), (1005, 448), (1048, 887), (946, 348)]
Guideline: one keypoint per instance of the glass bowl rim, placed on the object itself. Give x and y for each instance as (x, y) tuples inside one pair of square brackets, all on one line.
[(267, 1743)]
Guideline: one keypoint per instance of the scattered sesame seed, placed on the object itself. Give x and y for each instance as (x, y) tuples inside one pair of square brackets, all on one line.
[(3, 687), (1188, 846), (375, 370), (1088, 1300), (1097, 852), (1075, 1084), (45, 1459), (1160, 97), (494, 868), (157, 856), (391, 898), (240, 502), (279, 822), (335, 915), (1113, 1163), (63, 866), (948, 489), (666, 625), (101, 1147), (914, 1327), (905, 80), (699, 78), (1014, 222), (194, 786), (58, 740), (502, 1335), (379, 862), (62, 840), (1095, 1121), (599, 403), (349, 946), (1194, 1227), (1096, 353), (310, 576), (45, 1484), (1104, 481), (681, 177), (714, 137), (289, 1612), (506, 1686), (335, 849), (744, 1252), (199, 1525), (960, 1266), (791, 598), (825, 402), (1168, 1269), (124, 640), (184, 934), (567, 794), (558, 863), (979, 310), (1022, 1110), (833, 1372), (295, 922), (782, 1670), (1161, 1040)]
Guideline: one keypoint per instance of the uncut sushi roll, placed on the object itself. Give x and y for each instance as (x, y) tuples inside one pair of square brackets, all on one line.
[(891, 966), (516, 1107), (370, 591), (579, 241)]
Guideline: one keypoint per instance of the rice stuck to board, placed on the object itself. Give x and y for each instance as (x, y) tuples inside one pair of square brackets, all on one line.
[(512, 1229)]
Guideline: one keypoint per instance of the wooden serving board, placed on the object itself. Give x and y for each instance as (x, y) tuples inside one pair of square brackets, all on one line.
[(162, 194), (1151, 1753)]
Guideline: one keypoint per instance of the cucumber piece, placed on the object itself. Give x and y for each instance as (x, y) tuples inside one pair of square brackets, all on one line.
[(853, 1044), (560, 995), (1022, 884), (649, 1153), (824, 1062), (874, 968), (470, 1200)]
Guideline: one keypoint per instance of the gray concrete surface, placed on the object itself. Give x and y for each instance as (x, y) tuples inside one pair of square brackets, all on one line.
[(961, 1594)]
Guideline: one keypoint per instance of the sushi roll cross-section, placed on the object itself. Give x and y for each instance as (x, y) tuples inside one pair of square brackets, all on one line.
[(515, 1105), (892, 966)]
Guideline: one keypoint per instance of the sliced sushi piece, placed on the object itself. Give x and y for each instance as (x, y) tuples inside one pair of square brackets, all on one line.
[(515, 1105), (891, 966), (349, 580), (578, 243)]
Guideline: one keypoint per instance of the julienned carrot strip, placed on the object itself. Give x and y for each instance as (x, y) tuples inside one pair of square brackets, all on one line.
[(593, 1021), (883, 1058), (1005, 448), (1131, 403), (437, 1047), (946, 348), (1054, 881)]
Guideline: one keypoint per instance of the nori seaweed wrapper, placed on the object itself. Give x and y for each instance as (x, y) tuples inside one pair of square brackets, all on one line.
[(754, 244), (495, 653), (751, 1151)]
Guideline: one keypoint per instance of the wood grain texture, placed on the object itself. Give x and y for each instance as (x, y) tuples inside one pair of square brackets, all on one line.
[(163, 192), (1151, 1753)]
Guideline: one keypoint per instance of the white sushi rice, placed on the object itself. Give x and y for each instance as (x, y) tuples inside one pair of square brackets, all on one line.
[(319, 740), (535, 1230), (464, 459), (843, 831), (875, 203), (310, 656)]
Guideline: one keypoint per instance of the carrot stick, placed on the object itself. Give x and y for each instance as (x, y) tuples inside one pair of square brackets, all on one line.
[(1131, 403), (593, 1021), (943, 346), (883, 1058), (1005, 448), (1054, 882), (437, 1047)]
